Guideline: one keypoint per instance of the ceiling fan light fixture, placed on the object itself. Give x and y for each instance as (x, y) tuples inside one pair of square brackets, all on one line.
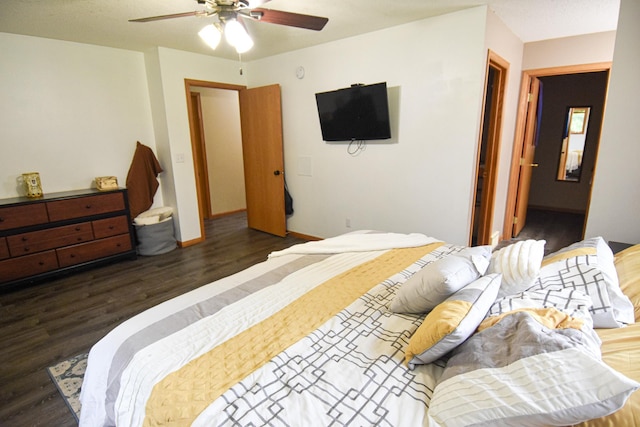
[(211, 35), (237, 36)]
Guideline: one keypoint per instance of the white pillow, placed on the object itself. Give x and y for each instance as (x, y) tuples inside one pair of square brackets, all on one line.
[(442, 278), (519, 264), (588, 267), (562, 387)]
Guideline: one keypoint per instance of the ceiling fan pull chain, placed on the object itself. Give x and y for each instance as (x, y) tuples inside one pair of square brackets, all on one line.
[(240, 61)]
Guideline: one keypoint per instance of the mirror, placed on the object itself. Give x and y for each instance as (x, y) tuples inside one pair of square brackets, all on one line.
[(573, 141)]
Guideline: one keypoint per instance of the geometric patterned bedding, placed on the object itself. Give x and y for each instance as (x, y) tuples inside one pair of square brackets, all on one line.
[(348, 371), (567, 283)]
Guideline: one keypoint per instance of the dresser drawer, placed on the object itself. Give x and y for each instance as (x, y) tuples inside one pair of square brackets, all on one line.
[(84, 252), (85, 206), (23, 215), (29, 265), (38, 241), (4, 249), (110, 226)]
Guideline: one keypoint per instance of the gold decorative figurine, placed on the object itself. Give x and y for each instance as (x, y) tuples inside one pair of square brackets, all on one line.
[(32, 184)]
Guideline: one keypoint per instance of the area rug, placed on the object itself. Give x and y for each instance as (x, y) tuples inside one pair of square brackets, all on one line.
[(67, 376)]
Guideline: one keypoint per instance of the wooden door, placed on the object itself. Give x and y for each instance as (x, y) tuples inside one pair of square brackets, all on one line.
[(526, 159), (261, 121)]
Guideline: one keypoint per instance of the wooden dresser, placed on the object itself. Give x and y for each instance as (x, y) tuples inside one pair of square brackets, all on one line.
[(59, 232)]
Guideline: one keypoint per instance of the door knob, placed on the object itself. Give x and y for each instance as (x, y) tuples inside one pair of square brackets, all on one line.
[(276, 172)]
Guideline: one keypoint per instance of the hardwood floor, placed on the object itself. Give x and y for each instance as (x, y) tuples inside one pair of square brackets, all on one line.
[(559, 229), (51, 321)]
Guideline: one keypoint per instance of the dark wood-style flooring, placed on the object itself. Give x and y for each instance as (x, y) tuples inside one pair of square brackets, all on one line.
[(46, 323), (559, 229)]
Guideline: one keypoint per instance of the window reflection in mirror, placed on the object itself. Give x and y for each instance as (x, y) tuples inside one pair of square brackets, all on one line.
[(573, 141)]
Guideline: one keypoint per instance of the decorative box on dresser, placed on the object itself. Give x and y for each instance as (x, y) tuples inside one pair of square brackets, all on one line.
[(60, 232)]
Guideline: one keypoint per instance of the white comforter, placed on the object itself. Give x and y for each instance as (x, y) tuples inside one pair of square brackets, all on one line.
[(124, 367)]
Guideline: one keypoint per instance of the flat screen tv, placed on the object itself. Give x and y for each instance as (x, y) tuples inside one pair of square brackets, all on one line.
[(356, 113)]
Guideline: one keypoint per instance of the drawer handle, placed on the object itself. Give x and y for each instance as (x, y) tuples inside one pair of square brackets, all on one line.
[(41, 263), (27, 249), (1, 219), (78, 228), (72, 256), (79, 239), (88, 206), (111, 227), (24, 239), (118, 245)]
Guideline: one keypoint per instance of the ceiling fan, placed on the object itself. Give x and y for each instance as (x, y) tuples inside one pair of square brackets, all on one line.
[(230, 14)]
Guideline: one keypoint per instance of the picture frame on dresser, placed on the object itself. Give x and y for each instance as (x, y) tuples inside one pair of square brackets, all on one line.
[(62, 232)]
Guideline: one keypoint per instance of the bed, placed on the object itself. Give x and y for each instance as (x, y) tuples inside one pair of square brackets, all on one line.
[(387, 329)]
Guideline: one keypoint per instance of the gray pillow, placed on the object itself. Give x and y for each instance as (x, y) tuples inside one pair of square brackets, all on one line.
[(441, 279)]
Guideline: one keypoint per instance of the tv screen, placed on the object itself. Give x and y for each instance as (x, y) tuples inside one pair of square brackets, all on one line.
[(359, 112)]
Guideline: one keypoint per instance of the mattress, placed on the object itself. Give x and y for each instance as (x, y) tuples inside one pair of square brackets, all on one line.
[(315, 336)]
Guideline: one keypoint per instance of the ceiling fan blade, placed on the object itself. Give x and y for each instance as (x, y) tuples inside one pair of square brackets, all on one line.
[(174, 15), (290, 19)]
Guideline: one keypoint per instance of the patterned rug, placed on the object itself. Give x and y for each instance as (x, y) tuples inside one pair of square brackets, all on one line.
[(67, 376)]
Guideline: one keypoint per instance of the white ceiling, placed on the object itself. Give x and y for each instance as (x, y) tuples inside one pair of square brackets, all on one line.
[(105, 22)]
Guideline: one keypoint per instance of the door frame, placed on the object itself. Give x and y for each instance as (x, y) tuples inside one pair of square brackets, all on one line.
[(199, 163), (518, 143), (199, 148), (492, 156)]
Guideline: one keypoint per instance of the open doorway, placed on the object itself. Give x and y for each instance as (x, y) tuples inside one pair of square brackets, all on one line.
[(488, 150), (216, 120), (262, 154), (540, 126), (211, 104)]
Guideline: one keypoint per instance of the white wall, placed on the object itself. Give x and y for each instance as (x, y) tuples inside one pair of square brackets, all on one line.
[(70, 112), (615, 199), (585, 49), (420, 180)]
